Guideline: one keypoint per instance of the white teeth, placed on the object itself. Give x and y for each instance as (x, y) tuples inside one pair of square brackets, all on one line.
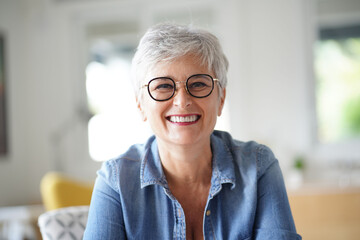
[(178, 119)]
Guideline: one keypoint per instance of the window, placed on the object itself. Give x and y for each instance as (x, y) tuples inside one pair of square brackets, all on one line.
[(116, 123), (337, 69)]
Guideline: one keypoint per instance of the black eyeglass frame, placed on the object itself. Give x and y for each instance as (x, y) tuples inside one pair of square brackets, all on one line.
[(186, 86)]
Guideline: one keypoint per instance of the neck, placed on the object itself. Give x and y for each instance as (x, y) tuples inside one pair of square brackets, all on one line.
[(186, 164)]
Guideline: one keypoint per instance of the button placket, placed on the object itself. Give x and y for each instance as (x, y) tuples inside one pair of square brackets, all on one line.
[(180, 222), (207, 228)]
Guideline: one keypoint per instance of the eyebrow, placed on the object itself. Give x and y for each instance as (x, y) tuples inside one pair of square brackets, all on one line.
[(173, 78)]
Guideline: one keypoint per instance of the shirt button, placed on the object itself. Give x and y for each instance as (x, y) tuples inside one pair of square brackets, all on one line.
[(208, 212)]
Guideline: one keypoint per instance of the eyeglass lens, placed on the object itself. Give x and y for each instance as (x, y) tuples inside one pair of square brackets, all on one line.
[(163, 88)]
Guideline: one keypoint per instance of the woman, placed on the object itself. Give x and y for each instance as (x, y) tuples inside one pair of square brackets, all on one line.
[(188, 181)]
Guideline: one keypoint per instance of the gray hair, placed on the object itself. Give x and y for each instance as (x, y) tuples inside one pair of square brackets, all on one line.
[(168, 42)]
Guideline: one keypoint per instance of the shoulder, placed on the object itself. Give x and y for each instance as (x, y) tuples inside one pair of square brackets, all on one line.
[(124, 167), (248, 154)]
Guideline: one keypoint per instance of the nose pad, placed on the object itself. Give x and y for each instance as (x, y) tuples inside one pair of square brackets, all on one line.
[(182, 98)]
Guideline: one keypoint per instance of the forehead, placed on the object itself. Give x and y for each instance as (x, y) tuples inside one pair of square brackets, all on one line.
[(179, 68)]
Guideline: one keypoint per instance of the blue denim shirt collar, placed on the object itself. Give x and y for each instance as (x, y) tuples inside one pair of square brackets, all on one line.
[(223, 166), (151, 171)]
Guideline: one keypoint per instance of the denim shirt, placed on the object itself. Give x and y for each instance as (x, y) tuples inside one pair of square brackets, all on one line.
[(247, 198)]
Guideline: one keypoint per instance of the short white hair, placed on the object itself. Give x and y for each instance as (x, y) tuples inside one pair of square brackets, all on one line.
[(168, 42)]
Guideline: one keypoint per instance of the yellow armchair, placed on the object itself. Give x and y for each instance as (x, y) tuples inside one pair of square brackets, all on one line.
[(59, 190)]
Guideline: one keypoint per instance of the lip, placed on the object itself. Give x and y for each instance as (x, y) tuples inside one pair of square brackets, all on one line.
[(196, 116)]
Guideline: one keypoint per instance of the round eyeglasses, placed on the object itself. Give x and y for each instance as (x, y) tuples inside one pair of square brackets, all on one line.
[(164, 88)]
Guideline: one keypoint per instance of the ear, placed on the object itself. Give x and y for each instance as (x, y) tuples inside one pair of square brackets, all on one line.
[(141, 110), (222, 102)]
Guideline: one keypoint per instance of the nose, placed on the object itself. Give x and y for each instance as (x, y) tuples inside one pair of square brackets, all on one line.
[(182, 98)]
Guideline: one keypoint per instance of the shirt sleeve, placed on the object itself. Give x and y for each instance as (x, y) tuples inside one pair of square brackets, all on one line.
[(273, 215), (105, 220)]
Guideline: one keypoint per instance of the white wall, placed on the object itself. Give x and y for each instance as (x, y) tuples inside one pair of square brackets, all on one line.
[(41, 99), (13, 167), (270, 98), (267, 43)]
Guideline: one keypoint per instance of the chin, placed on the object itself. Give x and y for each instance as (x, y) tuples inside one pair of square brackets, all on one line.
[(189, 138)]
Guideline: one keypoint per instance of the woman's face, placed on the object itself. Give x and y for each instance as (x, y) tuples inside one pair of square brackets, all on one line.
[(183, 119)]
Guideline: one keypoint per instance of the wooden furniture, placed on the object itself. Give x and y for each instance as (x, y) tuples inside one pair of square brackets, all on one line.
[(326, 213)]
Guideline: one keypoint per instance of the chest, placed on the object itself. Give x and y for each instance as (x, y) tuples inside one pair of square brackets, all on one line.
[(159, 215), (193, 206), (194, 217)]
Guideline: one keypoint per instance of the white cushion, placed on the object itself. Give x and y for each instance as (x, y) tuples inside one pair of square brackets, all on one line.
[(64, 223)]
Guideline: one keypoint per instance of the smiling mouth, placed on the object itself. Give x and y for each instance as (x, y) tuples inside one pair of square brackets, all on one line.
[(184, 119)]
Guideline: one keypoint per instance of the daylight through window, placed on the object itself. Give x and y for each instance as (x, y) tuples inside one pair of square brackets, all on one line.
[(337, 69)]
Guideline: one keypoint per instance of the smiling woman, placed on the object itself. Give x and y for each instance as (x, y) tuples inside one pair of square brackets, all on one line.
[(204, 108), (188, 181)]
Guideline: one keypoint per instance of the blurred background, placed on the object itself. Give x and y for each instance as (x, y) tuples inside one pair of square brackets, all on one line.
[(66, 101)]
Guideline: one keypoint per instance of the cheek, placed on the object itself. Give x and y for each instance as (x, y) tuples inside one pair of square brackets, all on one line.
[(219, 110), (220, 106), (216, 107), (152, 110), (143, 116), (141, 108)]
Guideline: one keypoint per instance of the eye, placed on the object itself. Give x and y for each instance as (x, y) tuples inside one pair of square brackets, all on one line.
[(161, 85), (164, 86), (198, 84)]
